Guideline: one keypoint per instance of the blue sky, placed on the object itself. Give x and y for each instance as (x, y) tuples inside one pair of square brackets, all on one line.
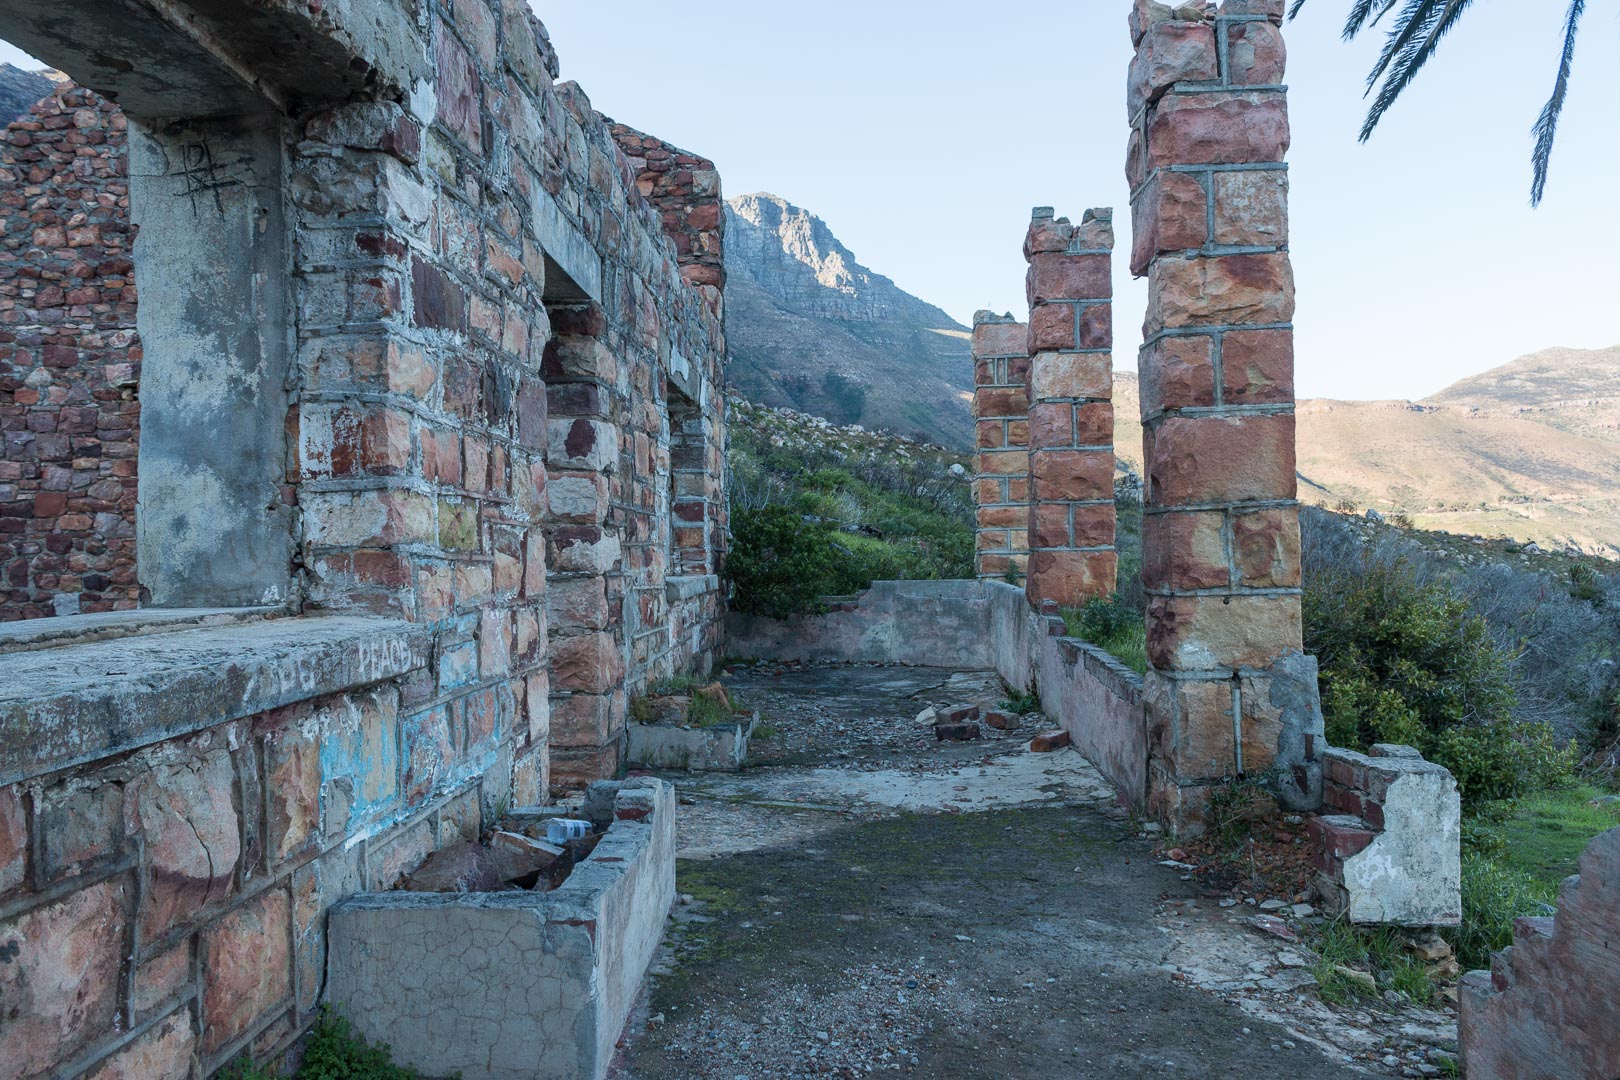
[(923, 133)]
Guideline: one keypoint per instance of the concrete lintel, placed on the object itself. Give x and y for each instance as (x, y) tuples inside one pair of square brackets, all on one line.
[(573, 266), (61, 707)]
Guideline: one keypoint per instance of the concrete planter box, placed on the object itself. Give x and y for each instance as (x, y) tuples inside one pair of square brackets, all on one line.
[(720, 748), (515, 985)]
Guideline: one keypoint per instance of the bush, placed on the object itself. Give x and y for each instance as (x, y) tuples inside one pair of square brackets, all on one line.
[(1406, 661), (1493, 896), (1114, 626), (333, 1052), (778, 565)]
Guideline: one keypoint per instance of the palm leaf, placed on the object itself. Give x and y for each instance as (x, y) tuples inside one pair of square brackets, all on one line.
[(1546, 126), (1411, 44)]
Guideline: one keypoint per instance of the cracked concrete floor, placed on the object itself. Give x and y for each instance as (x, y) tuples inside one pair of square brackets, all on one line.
[(877, 902)]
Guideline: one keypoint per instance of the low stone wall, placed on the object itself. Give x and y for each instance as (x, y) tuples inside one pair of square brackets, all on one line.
[(1388, 849), (1550, 1005), (985, 625), (516, 985), (181, 805), (926, 623)]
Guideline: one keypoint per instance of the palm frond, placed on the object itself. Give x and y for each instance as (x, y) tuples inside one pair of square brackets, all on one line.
[(1411, 44), (1546, 126)]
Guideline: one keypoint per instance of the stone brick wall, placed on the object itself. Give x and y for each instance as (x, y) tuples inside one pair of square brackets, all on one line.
[(685, 189), (1229, 692), (1548, 1006), (69, 361), (487, 329), (1071, 414), (1001, 427), (1387, 845)]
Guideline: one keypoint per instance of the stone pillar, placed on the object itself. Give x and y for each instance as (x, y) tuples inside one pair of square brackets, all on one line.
[(1071, 413), (1001, 425), (1229, 691)]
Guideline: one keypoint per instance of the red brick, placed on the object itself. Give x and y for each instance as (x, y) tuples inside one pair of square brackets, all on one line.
[(1048, 741)]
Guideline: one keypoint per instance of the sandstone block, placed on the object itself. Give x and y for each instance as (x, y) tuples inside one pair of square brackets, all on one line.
[(193, 838), (1251, 208), (1067, 475), (1219, 291), (13, 839), (246, 966), (1266, 548), (584, 549), (1096, 328), (165, 1050), (1052, 326), (1216, 459), (161, 978), (293, 787), (1170, 214), (1220, 633), (588, 663), (1177, 373), (1168, 53), (1257, 366), (1186, 551), (1049, 525), (1002, 463), (1073, 376), (1217, 129), (1001, 402), (1070, 578), (1256, 54), (999, 339), (1059, 276), (61, 981), (581, 444)]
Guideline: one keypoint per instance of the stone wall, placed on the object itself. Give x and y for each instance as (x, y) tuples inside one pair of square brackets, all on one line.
[(1548, 1006), (423, 369), (1070, 288), (1388, 845), (1001, 441), (1229, 692), (70, 360)]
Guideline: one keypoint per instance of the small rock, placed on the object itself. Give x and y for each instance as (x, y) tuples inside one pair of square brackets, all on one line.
[(1270, 924), (1001, 721), (958, 732), (1365, 982), (929, 715), (1302, 911), (1273, 905), (1049, 741), (1229, 902)]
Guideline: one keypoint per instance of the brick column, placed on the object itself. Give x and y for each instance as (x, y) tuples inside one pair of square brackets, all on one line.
[(1001, 424), (1071, 413), (1229, 692)]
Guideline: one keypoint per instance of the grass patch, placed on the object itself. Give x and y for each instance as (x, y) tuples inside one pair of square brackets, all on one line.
[(1544, 834), (764, 731), (335, 1051), (706, 711), (1516, 855), (1380, 954), (1114, 626)]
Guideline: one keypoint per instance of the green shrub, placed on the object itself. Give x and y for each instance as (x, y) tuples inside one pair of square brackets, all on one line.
[(1493, 895), (1405, 661), (778, 565), (1114, 626), (334, 1051)]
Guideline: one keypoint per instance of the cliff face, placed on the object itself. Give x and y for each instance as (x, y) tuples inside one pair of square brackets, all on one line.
[(19, 90), (810, 328)]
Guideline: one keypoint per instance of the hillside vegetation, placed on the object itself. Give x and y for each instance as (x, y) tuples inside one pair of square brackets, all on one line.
[(823, 509)]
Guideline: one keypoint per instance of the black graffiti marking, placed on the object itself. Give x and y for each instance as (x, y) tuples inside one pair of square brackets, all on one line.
[(203, 175)]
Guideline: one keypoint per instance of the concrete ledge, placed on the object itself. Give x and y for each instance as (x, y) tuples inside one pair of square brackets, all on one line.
[(689, 586), (514, 985), (105, 626), (67, 705), (720, 748)]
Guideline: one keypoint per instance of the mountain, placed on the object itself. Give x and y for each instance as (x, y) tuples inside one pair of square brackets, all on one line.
[(19, 90), (810, 328), (1529, 450)]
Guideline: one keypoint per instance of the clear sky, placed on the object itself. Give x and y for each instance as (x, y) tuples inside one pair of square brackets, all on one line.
[(923, 133)]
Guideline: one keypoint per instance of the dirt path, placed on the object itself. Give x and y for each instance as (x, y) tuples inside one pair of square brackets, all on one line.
[(880, 902)]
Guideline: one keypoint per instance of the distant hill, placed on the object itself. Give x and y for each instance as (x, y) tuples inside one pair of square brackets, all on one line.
[(809, 328), (19, 90), (1529, 450)]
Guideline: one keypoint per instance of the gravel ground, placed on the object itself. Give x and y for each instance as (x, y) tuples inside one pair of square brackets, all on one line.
[(864, 905)]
